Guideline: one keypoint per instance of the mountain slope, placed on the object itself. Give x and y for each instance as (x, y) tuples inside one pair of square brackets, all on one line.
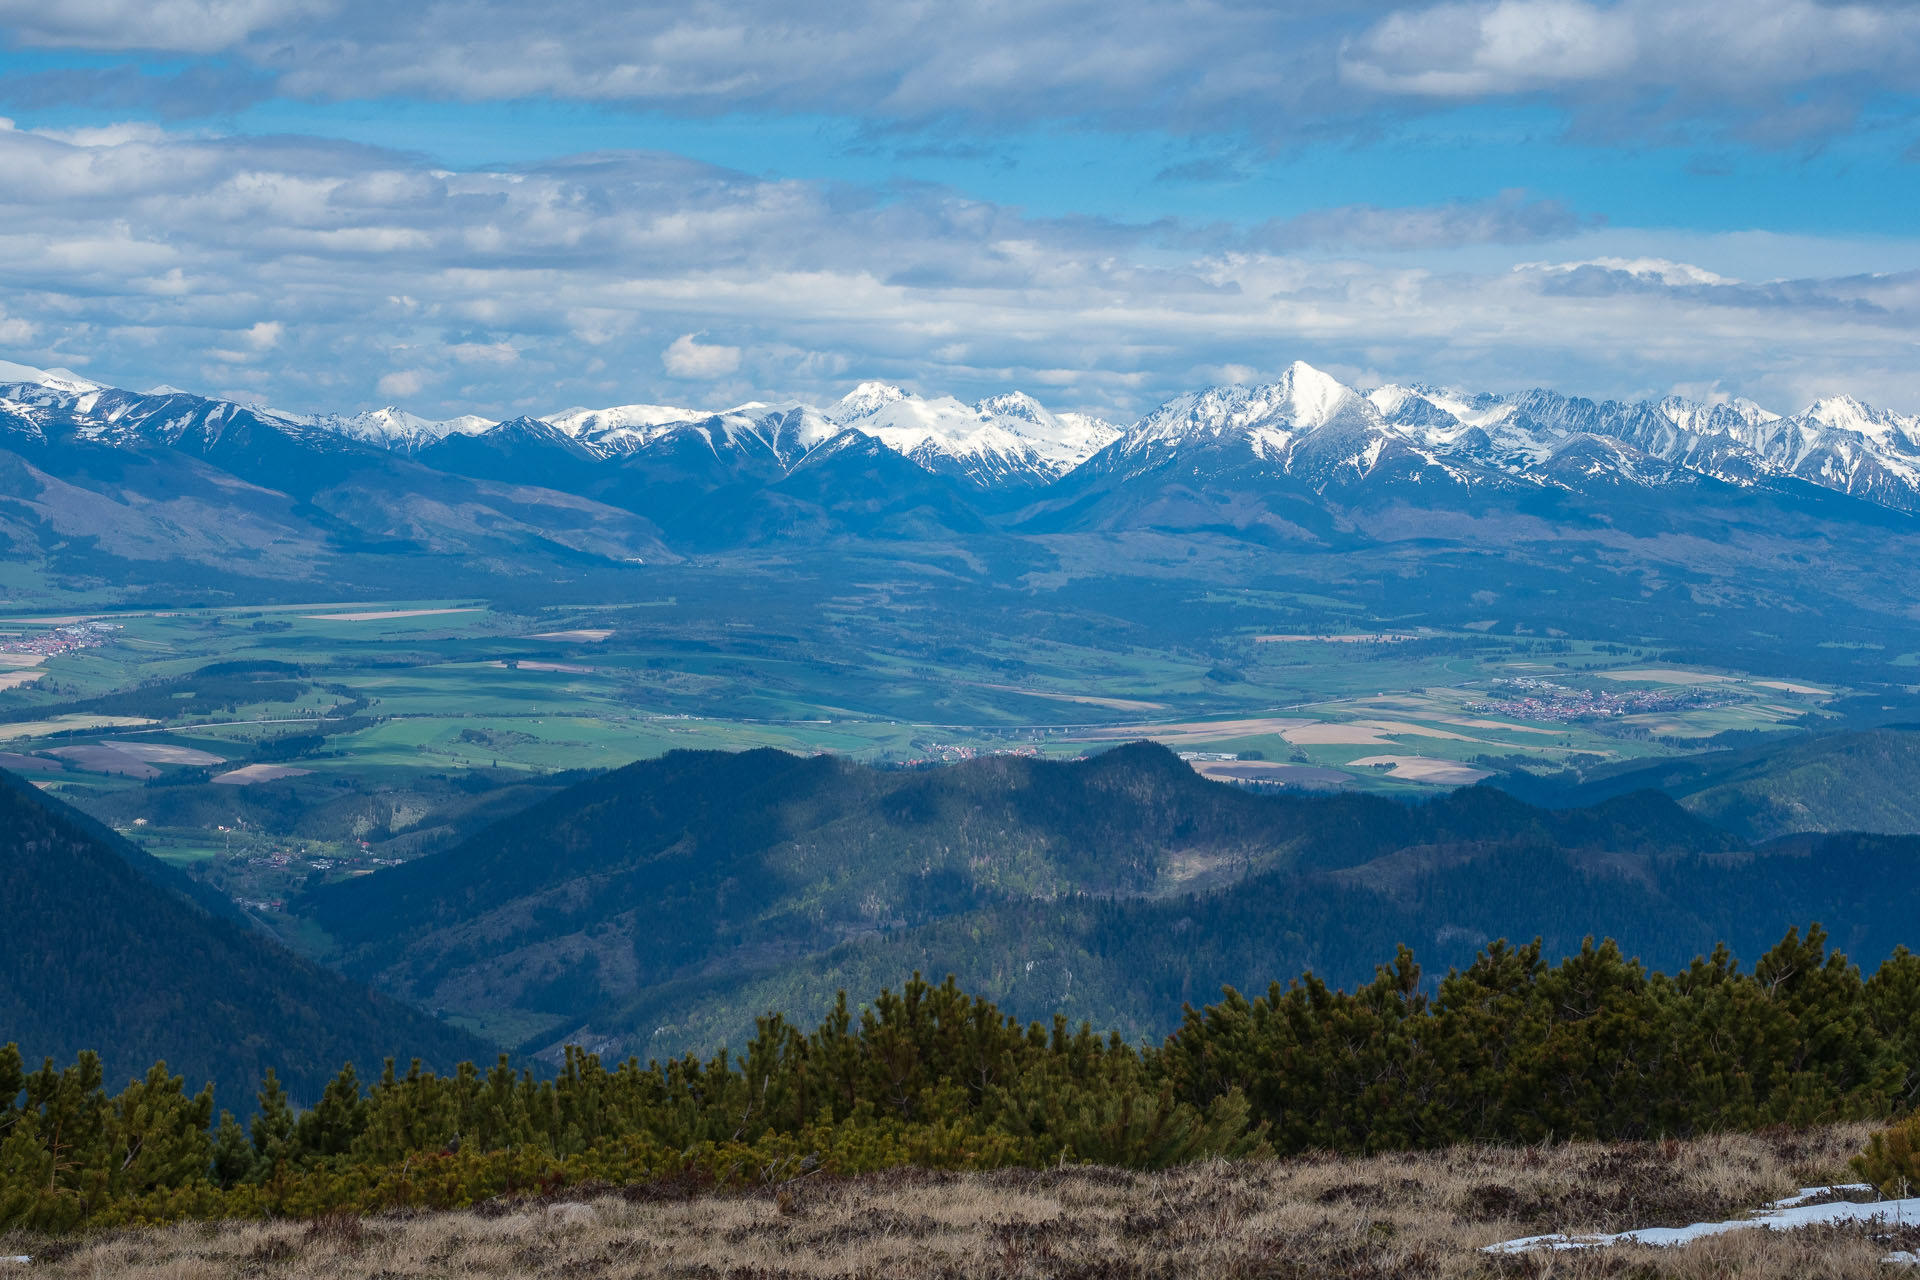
[(108, 949), (668, 892), (1867, 781), (1130, 965), (1008, 441)]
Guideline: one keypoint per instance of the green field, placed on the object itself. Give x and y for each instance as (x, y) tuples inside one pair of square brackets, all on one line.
[(405, 715)]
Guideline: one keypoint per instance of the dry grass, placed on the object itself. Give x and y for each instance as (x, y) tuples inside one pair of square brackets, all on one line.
[(1391, 1216)]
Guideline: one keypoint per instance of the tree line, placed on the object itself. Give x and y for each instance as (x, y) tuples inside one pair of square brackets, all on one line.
[(1510, 1049)]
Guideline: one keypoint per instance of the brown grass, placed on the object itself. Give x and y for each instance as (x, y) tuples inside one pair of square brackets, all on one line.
[(1350, 1219)]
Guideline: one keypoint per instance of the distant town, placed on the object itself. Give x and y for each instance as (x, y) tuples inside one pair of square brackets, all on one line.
[(58, 640), (1531, 698)]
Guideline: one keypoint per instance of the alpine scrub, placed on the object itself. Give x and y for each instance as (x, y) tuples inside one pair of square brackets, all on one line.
[(1509, 1050)]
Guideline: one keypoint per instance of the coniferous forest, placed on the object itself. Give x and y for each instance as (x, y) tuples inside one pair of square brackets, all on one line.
[(1508, 1050)]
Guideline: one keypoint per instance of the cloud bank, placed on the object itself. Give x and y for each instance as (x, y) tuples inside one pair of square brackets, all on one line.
[(328, 276), (1768, 69)]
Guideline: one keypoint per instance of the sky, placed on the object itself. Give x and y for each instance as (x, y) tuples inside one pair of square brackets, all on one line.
[(475, 207)]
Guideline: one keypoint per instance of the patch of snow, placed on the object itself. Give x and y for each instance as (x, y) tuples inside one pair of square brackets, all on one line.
[(579, 422), (865, 399), (394, 428), (1789, 1218), (1814, 1193), (1007, 434), (1844, 413), (1302, 400), (55, 379)]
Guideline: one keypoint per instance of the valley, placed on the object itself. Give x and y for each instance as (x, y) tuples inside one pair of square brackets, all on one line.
[(614, 733), (1060, 642), (190, 720)]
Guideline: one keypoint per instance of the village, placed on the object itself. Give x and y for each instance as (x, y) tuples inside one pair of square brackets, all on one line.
[(58, 640), (1531, 698)]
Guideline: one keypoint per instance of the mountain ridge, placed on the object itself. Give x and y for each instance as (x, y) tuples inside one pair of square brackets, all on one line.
[(1305, 422)]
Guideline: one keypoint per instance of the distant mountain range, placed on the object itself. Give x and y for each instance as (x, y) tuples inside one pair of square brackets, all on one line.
[(1305, 425), (1720, 526)]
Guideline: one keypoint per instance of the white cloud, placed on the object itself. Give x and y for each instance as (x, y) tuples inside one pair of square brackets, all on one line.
[(1702, 51), (486, 290), (180, 26), (402, 384), (498, 354), (686, 357), (1658, 270), (1280, 72)]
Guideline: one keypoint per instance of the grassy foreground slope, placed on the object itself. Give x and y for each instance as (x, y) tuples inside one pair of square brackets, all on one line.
[(110, 950), (1405, 1215)]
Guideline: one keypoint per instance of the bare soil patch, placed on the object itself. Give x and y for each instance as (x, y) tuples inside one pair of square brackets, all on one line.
[(165, 753), (377, 615), (249, 774), (1427, 769), (69, 723), (1373, 637), (1302, 775), (1111, 704), (583, 635), (103, 759), (1197, 730), (1329, 733)]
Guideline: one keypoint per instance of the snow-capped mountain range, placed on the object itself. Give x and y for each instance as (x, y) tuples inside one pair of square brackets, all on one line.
[(1306, 426)]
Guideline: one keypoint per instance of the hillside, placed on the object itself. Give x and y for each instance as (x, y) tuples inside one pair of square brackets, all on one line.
[(1866, 781), (109, 949), (664, 906)]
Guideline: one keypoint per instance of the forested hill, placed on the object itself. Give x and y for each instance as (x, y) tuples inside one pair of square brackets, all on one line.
[(1860, 781), (664, 906), (106, 948)]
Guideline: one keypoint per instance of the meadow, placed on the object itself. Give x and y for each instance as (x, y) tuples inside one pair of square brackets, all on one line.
[(1427, 1215)]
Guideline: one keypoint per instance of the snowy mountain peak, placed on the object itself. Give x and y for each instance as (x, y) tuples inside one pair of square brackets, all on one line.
[(53, 379), (1844, 413), (1013, 404), (1269, 416), (1306, 426), (866, 399), (395, 428), (620, 427), (1315, 396), (1005, 439)]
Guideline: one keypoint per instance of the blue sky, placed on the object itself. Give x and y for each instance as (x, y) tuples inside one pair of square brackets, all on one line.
[(485, 207)]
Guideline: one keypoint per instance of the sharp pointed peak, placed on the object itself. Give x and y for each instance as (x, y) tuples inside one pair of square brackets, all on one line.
[(868, 397)]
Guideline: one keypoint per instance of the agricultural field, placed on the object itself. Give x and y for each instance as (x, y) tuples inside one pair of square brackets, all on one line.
[(272, 747)]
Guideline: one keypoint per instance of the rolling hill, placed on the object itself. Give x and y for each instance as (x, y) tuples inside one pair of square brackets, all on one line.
[(663, 906), (1863, 781)]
